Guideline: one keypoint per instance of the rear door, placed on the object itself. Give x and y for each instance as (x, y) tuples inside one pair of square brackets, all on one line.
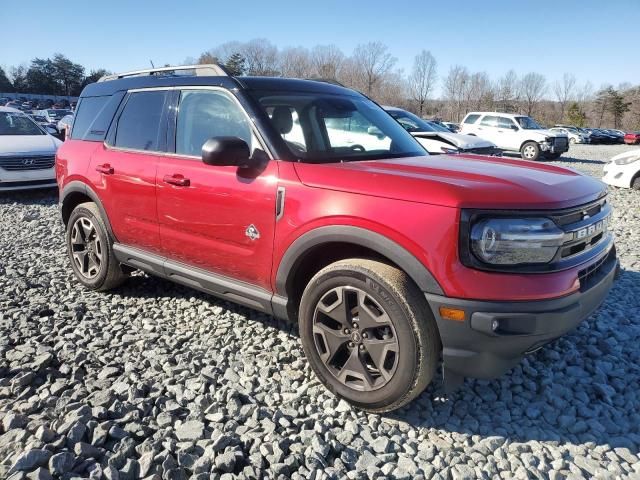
[(509, 133), (216, 218), (487, 128), (125, 168)]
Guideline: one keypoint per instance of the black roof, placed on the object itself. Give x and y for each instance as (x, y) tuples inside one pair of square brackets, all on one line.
[(109, 87)]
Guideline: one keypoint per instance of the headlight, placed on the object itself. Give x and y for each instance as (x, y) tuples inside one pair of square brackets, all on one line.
[(627, 160), (513, 241)]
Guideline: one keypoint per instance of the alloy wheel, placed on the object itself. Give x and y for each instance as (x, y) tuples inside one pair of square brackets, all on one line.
[(86, 248), (355, 338), (529, 152)]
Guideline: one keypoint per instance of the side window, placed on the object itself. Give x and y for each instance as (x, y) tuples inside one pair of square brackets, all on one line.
[(139, 124), (86, 114), (504, 122), (473, 118), (286, 120), (489, 121), (203, 114)]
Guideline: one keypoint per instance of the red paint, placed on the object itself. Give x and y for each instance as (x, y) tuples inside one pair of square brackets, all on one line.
[(198, 214), (632, 138)]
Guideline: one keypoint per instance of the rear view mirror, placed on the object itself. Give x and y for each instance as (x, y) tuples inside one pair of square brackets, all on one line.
[(226, 151)]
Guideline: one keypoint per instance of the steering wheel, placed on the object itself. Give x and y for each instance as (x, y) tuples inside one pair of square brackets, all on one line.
[(357, 148)]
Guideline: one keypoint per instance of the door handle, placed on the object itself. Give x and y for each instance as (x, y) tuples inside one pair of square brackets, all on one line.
[(176, 179), (105, 168)]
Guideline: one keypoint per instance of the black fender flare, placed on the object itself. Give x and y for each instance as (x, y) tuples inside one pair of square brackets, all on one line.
[(419, 273), (77, 186)]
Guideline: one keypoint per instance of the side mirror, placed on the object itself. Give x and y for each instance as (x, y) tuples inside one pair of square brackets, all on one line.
[(226, 151), (514, 128)]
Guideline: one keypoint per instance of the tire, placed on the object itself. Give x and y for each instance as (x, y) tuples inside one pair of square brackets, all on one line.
[(635, 183), (572, 141), (530, 151), (394, 325), (87, 233)]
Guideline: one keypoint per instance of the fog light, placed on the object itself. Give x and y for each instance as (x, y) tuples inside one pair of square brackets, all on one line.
[(495, 324), (454, 314)]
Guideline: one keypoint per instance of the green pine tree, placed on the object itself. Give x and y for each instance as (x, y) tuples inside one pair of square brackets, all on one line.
[(235, 64)]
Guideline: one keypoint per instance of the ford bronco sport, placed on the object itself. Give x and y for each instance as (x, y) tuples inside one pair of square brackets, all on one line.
[(388, 258)]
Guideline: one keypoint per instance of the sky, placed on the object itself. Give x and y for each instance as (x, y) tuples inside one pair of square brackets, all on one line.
[(594, 40)]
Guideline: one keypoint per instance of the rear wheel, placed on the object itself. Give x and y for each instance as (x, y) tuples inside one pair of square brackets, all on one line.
[(572, 141), (368, 334), (530, 151), (90, 249), (635, 183)]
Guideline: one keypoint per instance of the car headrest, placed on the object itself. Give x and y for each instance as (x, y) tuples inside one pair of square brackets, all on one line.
[(282, 119)]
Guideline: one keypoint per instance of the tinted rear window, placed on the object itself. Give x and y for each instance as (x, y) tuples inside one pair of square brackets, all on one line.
[(471, 118), (139, 123), (86, 114)]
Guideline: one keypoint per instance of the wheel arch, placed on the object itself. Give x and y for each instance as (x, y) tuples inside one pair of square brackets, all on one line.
[(324, 245), (75, 193)]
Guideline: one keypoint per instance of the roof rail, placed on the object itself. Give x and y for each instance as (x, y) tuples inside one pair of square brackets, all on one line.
[(206, 70)]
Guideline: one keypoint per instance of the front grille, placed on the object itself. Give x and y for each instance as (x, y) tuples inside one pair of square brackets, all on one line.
[(588, 275), (560, 142), (27, 162)]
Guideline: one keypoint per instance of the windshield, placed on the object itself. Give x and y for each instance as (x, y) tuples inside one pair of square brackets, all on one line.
[(322, 127), (413, 123), (528, 123), (13, 123)]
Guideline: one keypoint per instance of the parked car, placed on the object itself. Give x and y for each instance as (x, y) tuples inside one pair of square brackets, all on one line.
[(595, 136), (617, 135), (14, 105), (437, 139), (574, 135), (516, 133), (389, 259), (51, 127), (632, 138), (623, 170), (4, 101), (64, 125), (53, 115), (27, 152), (454, 127)]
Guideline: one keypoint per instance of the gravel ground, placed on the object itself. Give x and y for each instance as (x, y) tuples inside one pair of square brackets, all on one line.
[(158, 381)]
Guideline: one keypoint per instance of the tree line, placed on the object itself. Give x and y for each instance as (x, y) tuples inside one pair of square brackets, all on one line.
[(372, 69)]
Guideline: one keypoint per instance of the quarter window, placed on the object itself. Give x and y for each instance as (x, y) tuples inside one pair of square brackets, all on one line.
[(87, 112), (204, 114), (473, 118), (139, 123)]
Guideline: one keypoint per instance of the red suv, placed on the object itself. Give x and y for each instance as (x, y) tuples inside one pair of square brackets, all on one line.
[(307, 201)]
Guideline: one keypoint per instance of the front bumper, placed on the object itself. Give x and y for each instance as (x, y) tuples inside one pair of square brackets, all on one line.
[(472, 348)]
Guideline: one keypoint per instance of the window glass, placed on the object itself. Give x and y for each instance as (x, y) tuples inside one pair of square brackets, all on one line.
[(17, 123), (139, 124), (334, 128), (489, 121), (203, 114), (86, 113), (504, 122), (471, 118)]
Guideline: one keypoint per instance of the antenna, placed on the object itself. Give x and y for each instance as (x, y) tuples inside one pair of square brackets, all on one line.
[(152, 65)]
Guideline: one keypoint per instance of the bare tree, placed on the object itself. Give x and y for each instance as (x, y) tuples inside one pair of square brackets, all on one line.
[(565, 92), (479, 92), (455, 88), (372, 61), (534, 86), (326, 61), (508, 92), (261, 57), (423, 79), (295, 62)]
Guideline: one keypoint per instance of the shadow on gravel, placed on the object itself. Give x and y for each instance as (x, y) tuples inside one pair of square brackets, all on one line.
[(581, 388), (563, 158), (43, 196)]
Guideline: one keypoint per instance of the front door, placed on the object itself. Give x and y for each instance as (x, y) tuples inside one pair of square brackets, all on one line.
[(217, 218), (124, 170)]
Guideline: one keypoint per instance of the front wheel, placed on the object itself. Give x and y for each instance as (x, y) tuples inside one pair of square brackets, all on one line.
[(530, 151), (368, 334), (90, 249)]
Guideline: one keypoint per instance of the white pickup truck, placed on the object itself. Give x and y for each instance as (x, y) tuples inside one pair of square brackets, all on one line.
[(516, 133)]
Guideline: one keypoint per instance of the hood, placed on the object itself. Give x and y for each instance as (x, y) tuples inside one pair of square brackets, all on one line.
[(547, 133), (468, 181), (31, 144), (461, 141), (631, 153)]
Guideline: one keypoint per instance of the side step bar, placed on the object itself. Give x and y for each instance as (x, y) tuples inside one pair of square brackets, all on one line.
[(217, 285)]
